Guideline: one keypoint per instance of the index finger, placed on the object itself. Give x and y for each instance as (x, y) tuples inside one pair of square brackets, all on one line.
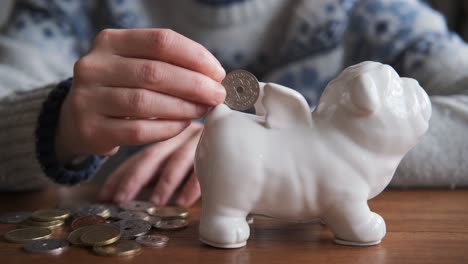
[(163, 45)]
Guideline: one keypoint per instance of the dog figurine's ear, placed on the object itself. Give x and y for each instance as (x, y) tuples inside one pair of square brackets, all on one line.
[(284, 107), (364, 96)]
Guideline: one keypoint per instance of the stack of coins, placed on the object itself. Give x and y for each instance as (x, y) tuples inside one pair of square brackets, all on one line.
[(107, 229), (171, 217)]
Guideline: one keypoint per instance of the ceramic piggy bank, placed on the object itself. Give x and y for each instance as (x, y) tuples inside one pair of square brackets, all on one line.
[(292, 164)]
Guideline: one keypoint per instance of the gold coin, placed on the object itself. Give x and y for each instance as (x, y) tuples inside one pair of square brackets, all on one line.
[(120, 248), (50, 214), (50, 224), (27, 234), (101, 235), (169, 212), (75, 236)]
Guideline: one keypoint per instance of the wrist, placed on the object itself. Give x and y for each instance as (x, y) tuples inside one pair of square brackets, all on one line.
[(46, 143), (65, 152)]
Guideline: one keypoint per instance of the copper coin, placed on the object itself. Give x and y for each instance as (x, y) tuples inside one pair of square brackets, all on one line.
[(87, 220)]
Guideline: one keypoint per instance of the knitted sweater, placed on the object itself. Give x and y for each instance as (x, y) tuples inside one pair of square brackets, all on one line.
[(298, 43)]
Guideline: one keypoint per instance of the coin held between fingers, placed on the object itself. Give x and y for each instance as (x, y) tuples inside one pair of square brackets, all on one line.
[(242, 90)]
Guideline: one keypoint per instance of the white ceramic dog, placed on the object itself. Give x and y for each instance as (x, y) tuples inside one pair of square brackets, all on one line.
[(291, 164)]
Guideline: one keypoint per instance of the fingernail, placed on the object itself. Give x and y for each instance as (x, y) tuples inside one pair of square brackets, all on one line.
[(221, 72), (181, 201), (201, 110), (220, 94), (120, 197), (103, 196), (156, 200)]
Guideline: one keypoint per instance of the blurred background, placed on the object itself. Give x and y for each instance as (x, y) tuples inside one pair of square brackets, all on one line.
[(456, 12), (5, 6)]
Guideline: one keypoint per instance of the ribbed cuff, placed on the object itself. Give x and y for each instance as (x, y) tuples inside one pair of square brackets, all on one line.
[(45, 142)]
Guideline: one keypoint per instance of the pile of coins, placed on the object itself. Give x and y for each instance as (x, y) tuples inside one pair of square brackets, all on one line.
[(242, 90), (107, 229)]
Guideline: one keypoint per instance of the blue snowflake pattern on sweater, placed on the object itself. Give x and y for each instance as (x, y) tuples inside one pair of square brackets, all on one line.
[(344, 31), (418, 52), (379, 29), (316, 31)]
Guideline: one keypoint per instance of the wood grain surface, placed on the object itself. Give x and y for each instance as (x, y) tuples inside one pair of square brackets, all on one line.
[(423, 226)]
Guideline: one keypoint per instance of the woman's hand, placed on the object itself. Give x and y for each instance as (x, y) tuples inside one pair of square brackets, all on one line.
[(134, 87), (170, 162)]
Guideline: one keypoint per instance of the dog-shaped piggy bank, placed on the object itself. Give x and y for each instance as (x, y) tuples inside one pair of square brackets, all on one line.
[(296, 165)]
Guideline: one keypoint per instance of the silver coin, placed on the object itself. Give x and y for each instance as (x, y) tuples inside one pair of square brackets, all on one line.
[(95, 209), (242, 89), (154, 220), (14, 218), (113, 209), (130, 229), (131, 215), (249, 219), (49, 246), (152, 240), (140, 206), (172, 224)]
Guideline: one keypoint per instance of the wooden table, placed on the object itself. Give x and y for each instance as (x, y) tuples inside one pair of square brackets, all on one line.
[(423, 226)]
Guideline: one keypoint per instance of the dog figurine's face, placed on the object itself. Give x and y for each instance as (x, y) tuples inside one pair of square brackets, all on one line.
[(370, 103)]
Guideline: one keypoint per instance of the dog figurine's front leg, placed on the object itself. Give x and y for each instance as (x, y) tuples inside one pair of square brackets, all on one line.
[(353, 223)]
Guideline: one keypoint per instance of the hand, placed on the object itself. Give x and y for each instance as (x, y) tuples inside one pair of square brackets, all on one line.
[(142, 74), (171, 160)]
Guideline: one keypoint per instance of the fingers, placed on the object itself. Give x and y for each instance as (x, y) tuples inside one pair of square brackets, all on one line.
[(161, 44), (190, 193), (127, 181), (141, 103), (161, 77), (139, 132), (136, 172), (176, 169)]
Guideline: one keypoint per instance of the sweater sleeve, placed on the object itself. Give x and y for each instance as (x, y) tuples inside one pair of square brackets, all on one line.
[(38, 47), (414, 39), (19, 169)]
